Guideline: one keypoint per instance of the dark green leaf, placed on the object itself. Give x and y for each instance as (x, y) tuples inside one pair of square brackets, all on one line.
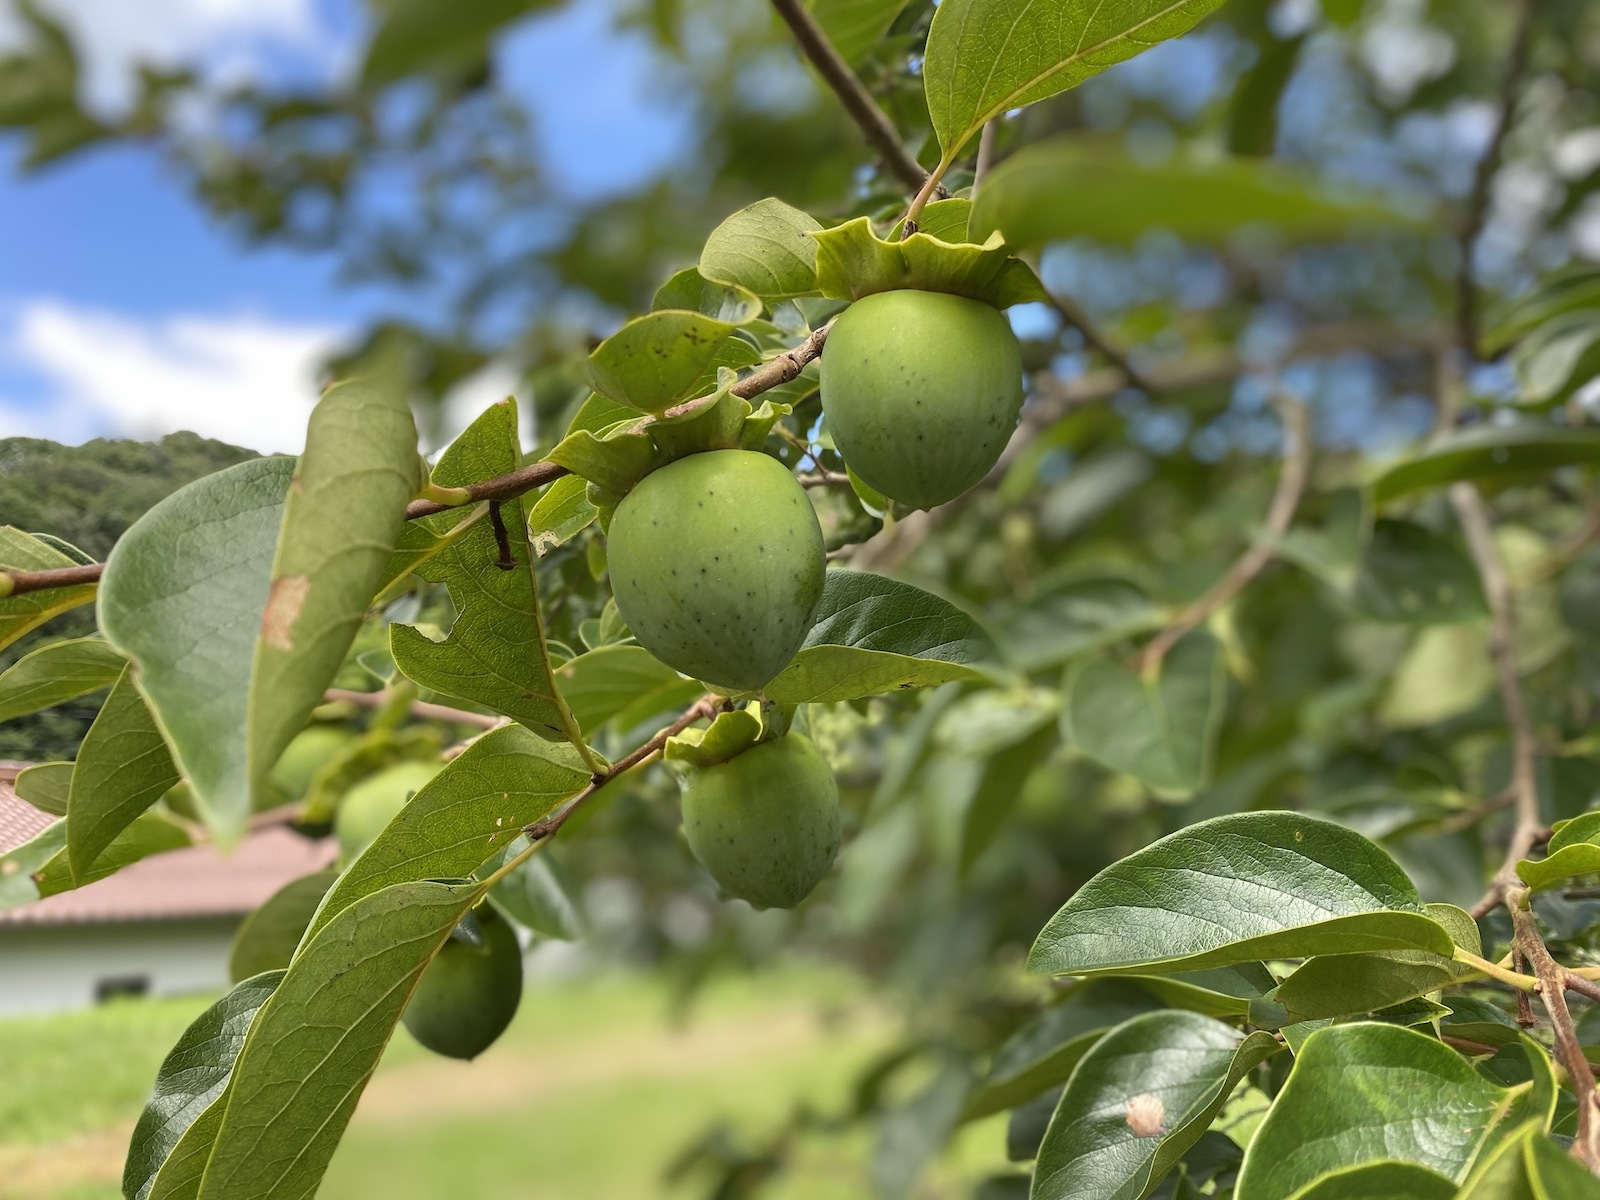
[(56, 673), (1081, 615), (1219, 992), (1558, 358), (1138, 1100), (1161, 731), (1237, 889), (316, 1042), (267, 938), (465, 815), (182, 595), (415, 36), (874, 635), (625, 683), (1412, 574), (1366, 1092), (190, 1080), (1489, 452), (987, 56), (122, 768), (1073, 186), (1253, 117), (538, 895), (1043, 1052)]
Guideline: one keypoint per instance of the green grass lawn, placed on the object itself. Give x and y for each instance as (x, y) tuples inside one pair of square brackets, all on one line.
[(590, 1094)]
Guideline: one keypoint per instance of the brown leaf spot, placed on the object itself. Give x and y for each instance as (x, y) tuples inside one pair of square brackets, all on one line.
[(1145, 1114), (283, 610)]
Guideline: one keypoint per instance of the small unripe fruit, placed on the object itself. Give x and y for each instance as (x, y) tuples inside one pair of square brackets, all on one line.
[(717, 564), (765, 824), (922, 391), (375, 801), (468, 994), (306, 755)]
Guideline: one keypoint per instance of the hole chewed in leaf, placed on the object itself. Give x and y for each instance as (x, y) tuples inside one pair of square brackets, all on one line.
[(284, 603)]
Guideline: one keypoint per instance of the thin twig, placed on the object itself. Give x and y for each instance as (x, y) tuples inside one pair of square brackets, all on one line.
[(1473, 516), (874, 123), (1467, 331), (1553, 983), (1586, 988), (1280, 513), (17, 583), (423, 709), (1079, 320), (700, 710)]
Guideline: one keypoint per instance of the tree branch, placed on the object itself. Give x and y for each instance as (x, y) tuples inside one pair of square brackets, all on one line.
[(1527, 942), (702, 709), (1079, 320), (873, 122), (1280, 513), (1553, 982), (422, 709), (1467, 331)]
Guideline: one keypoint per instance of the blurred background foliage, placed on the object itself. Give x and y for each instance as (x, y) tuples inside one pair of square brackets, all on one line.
[(1357, 681)]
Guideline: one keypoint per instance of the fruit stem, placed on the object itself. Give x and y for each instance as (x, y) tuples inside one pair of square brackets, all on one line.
[(920, 201)]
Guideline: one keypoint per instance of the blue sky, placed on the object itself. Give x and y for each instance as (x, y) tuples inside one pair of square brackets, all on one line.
[(125, 311)]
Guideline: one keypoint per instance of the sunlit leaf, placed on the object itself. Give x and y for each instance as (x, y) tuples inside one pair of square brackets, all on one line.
[(1367, 1092), (1237, 889), (1139, 1099), (874, 635), (465, 815), (987, 56)]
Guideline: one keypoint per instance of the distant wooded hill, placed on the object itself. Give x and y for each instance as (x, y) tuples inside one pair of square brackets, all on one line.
[(87, 495)]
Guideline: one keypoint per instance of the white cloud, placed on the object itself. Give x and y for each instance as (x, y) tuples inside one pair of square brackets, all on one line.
[(232, 39), (244, 379)]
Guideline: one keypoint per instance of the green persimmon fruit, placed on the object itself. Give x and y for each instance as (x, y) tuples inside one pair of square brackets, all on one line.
[(306, 755), (468, 994), (716, 564), (375, 801), (765, 823), (921, 391)]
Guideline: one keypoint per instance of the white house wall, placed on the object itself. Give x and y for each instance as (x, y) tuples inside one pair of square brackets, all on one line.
[(53, 968)]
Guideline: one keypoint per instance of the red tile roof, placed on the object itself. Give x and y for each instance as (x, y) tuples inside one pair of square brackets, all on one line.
[(189, 883)]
